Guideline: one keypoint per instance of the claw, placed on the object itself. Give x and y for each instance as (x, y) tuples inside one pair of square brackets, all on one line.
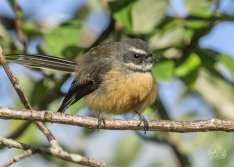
[(143, 120), (101, 120)]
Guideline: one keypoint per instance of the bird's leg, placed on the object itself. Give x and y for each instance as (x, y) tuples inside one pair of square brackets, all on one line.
[(143, 120), (101, 119)]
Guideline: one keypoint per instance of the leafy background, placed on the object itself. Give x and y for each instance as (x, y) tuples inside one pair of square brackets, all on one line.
[(193, 42)]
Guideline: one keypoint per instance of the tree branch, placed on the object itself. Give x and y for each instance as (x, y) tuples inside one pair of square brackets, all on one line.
[(26, 154), (117, 124), (53, 151), (18, 25), (24, 100), (56, 90)]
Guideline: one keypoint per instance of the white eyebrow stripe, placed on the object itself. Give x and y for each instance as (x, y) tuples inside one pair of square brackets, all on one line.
[(137, 50), (144, 67)]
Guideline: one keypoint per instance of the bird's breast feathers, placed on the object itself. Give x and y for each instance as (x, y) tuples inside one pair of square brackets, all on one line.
[(120, 93)]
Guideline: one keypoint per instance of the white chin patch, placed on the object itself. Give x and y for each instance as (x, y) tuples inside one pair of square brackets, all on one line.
[(141, 67), (139, 51)]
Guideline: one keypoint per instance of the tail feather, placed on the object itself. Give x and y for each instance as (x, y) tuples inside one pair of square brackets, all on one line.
[(43, 61)]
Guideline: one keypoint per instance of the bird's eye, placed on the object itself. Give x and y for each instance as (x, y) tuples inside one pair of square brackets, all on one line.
[(136, 56)]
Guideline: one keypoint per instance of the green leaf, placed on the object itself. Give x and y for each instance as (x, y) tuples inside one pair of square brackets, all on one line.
[(118, 5), (147, 14), (194, 24), (62, 37), (228, 61), (30, 28), (198, 7), (163, 71), (172, 36), (188, 71), (190, 64), (121, 11)]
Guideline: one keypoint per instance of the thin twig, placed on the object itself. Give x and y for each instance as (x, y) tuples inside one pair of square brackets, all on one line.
[(53, 151), (22, 97), (20, 157), (118, 124), (182, 159), (18, 25), (51, 96)]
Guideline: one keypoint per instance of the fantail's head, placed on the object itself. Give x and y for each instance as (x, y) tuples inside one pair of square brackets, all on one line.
[(136, 55)]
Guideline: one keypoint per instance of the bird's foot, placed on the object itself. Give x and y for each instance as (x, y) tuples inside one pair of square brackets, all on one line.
[(101, 120), (143, 120)]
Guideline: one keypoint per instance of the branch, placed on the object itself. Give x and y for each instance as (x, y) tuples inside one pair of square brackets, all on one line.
[(20, 157), (56, 90), (117, 124), (24, 100), (53, 151), (18, 25)]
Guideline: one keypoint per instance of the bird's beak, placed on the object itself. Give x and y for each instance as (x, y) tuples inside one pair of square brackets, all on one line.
[(151, 59)]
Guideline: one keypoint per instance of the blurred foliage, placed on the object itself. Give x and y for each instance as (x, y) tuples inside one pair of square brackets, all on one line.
[(56, 40), (167, 67), (174, 38), (126, 152), (227, 61)]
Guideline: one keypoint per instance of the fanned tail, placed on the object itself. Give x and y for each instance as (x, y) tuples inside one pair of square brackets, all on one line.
[(43, 61)]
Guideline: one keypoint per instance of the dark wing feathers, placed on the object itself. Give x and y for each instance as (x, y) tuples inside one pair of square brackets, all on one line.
[(76, 92), (92, 67)]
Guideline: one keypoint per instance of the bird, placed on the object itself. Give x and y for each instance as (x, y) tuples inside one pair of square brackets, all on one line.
[(114, 77)]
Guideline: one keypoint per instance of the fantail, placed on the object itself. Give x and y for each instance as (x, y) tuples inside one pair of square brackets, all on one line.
[(113, 77)]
